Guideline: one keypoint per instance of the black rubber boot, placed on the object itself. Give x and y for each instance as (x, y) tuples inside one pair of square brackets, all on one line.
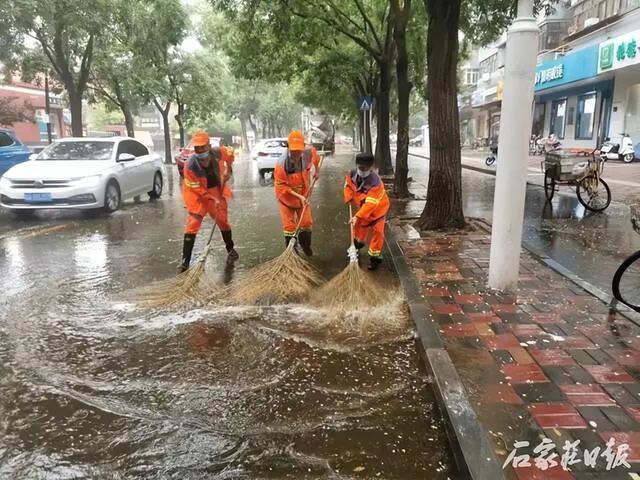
[(358, 244), (187, 250), (374, 263), (228, 243), (305, 242)]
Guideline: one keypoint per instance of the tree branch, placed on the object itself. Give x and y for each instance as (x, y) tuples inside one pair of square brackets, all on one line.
[(87, 58), (368, 21)]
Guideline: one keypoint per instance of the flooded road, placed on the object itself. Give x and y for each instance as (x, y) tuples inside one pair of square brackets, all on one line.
[(92, 390)]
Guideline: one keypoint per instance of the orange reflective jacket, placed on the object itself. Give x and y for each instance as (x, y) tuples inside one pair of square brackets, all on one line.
[(225, 158), (195, 184), (368, 193), (293, 176)]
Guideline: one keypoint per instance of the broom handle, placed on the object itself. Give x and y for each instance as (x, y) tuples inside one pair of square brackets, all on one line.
[(213, 229), (350, 223), (304, 207)]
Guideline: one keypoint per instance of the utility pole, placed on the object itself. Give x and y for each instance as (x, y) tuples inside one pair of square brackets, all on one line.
[(511, 177), (47, 106)]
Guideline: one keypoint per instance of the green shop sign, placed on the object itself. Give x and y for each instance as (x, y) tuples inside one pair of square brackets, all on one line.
[(619, 52)]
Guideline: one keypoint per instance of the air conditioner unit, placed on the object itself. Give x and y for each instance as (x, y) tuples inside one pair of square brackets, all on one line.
[(591, 21)]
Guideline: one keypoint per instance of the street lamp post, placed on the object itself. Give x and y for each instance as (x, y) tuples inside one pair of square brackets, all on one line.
[(511, 177)]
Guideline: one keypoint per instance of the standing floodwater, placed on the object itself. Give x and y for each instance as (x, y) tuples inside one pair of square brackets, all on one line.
[(89, 389)]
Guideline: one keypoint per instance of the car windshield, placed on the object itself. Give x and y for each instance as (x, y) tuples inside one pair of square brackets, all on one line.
[(77, 151), (275, 143)]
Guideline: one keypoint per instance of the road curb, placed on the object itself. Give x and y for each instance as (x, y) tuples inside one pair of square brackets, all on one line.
[(472, 449), (466, 166)]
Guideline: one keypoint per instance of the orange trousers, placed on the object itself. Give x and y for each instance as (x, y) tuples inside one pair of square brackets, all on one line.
[(219, 213), (362, 229), (290, 217)]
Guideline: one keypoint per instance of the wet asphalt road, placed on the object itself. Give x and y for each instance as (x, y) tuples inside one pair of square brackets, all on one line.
[(590, 245), (92, 390)]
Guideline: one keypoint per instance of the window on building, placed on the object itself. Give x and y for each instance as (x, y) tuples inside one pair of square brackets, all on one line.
[(558, 116), (538, 119), (613, 6), (585, 116), (471, 76), (490, 64)]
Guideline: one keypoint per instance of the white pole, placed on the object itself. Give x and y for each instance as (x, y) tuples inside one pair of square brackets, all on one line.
[(511, 177)]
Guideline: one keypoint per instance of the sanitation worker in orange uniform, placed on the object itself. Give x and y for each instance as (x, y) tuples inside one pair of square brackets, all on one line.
[(365, 188), (205, 191), (291, 178)]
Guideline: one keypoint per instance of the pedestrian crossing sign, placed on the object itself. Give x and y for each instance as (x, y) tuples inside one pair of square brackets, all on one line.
[(365, 102)]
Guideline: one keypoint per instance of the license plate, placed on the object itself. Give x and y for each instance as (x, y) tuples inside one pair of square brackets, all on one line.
[(37, 197)]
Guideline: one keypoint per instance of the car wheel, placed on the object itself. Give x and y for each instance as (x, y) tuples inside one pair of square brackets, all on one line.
[(112, 198), (157, 186)]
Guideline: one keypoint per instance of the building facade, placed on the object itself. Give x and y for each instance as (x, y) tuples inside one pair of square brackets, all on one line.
[(587, 84), (33, 132)]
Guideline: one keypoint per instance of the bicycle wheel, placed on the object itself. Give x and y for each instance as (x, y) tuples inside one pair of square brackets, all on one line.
[(594, 193), (626, 282), (549, 185)]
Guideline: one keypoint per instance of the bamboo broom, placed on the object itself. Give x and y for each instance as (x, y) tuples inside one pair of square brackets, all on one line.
[(182, 287), (286, 277), (352, 289)]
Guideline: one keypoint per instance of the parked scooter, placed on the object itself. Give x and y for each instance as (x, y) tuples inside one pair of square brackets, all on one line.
[(623, 150), (491, 159)]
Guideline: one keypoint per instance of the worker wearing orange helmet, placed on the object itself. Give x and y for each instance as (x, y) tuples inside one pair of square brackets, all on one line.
[(205, 191), (292, 181), (365, 188)]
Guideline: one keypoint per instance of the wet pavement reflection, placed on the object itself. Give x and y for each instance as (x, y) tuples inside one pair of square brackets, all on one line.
[(91, 389), (590, 245)]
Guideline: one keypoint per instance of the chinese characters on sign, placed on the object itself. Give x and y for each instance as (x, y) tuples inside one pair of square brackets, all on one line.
[(545, 457), (620, 52), (553, 73)]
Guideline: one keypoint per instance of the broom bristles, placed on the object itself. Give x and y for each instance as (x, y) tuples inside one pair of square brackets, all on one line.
[(172, 291), (352, 289), (286, 277)]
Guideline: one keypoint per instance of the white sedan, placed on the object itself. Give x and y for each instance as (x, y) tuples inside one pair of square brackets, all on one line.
[(83, 173), (270, 152)]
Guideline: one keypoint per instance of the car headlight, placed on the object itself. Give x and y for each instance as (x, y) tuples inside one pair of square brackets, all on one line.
[(5, 182), (91, 181)]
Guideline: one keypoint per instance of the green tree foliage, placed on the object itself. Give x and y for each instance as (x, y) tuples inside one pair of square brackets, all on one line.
[(12, 111), (64, 32)]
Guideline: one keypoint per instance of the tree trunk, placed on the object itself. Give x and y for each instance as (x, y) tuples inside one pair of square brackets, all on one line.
[(180, 122), (254, 128), (75, 105), (443, 209), (264, 129), (164, 111), (400, 184), (383, 148), (243, 131), (368, 141), (128, 119)]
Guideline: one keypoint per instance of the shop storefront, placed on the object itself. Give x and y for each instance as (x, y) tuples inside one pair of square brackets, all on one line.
[(571, 101), (621, 56)]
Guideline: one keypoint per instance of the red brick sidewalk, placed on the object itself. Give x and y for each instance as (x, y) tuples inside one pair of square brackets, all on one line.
[(549, 361)]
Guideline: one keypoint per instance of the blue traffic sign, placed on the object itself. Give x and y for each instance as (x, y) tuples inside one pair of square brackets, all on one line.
[(364, 102)]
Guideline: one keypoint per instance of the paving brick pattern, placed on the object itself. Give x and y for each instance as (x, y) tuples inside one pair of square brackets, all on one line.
[(548, 361)]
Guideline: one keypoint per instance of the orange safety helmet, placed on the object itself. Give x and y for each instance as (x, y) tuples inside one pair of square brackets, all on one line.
[(200, 139), (296, 140)]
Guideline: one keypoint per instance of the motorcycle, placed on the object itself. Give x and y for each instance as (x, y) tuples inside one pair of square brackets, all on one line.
[(618, 151), (491, 159)]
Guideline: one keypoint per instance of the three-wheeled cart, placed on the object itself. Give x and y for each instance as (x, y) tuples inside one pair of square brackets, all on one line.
[(581, 171)]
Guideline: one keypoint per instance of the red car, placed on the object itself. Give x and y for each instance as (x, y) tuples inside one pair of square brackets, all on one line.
[(186, 152)]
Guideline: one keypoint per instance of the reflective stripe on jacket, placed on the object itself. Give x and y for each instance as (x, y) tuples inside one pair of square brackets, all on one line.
[(293, 176), (368, 193)]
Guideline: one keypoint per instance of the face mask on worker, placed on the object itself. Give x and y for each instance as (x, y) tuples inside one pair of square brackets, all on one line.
[(202, 156), (364, 173)]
